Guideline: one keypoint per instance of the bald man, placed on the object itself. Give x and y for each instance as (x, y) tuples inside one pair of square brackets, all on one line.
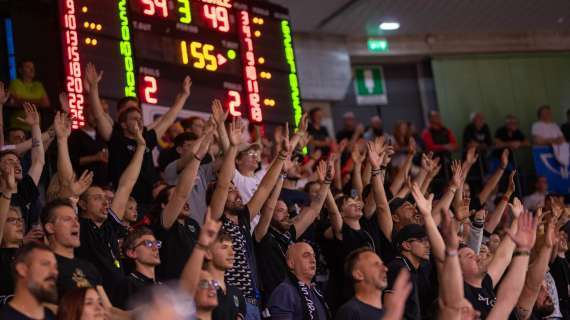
[(297, 297)]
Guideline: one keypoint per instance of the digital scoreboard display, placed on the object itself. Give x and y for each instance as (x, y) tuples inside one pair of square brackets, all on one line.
[(238, 51)]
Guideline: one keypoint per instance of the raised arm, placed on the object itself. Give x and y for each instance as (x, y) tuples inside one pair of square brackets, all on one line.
[(104, 122), (184, 184), (227, 170), (357, 158), (169, 117), (451, 290), (268, 210), (504, 253), (62, 128), (425, 208), (309, 214), (494, 179), (456, 182), (383, 214), (497, 215), (220, 117), (270, 178), (190, 276), (301, 132), (536, 271), (129, 177), (8, 187), (334, 216), (38, 157), (512, 285)]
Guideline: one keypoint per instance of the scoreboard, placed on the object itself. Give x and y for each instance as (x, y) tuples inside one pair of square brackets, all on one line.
[(238, 51)]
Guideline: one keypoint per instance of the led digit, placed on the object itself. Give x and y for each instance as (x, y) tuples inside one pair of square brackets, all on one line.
[(293, 81), (184, 52), (150, 89), (234, 103), (148, 7), (163, 6), (185, 11), (212, 60), (223, 17), (201, 62), (250, 71), (74, 84), (217, 17)]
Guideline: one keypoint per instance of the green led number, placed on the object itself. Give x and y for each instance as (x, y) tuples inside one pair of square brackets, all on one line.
[(185, 13)]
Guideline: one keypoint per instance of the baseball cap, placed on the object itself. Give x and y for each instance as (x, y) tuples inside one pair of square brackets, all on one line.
[(411, 231), (396, 203)]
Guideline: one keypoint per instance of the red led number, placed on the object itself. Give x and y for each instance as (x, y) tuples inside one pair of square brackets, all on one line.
[(150, 88), (234, 103), (217, 17), (153, 7)]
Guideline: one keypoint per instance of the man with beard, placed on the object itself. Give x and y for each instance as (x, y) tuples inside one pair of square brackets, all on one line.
[(297, 297), (35, 273), (61, 226), (227, 206), (369, 276), (276, 230)]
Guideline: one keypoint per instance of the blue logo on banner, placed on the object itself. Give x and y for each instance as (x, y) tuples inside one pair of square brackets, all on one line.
[(546, 165)]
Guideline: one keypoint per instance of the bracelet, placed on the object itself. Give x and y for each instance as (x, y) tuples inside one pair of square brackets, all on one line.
[(451, 253), (327, 181), (283, 176), (282, 156), (5, 196), (521, 253), (453, 189), (201, 246), (196, 157)]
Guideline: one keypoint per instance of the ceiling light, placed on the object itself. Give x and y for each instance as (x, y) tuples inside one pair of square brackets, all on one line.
[(390, 25)]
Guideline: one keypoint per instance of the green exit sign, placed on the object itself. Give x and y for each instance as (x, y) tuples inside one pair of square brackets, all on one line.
[(378, 45)]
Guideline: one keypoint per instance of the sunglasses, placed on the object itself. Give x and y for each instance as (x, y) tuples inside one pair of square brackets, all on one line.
[(149, 244), (208, 284)]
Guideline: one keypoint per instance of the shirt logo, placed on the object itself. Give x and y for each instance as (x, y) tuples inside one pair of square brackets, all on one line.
[(80, 279), (236, 301)]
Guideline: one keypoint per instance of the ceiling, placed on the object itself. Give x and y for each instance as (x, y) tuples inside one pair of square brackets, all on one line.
[(361, 17)]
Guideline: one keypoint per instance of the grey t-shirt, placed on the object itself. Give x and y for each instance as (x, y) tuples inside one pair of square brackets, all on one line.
[(197, 198)]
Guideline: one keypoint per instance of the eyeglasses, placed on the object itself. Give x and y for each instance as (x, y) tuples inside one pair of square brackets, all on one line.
[(252, 153), (208, 284), (149, 244), (15, 220)]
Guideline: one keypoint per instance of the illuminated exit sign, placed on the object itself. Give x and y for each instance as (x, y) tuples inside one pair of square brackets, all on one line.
[(378, 45)]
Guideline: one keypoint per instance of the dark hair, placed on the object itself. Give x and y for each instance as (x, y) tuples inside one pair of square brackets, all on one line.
[(161, 198), (4, 153), (313, 111), (541, 109), (223, 236), (71, 304), (24, 60), (309, 185), (187, 123), (12, 129), (24, 252), (352, 259), (126, 111), (48, 210), (123, 101), (183, 137), (134, 236)]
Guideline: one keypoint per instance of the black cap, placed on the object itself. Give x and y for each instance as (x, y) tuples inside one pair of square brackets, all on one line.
[(396, 203), (411, 231)]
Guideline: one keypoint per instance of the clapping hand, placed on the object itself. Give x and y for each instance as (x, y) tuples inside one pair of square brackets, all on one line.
[(525, 236), (32, 116)]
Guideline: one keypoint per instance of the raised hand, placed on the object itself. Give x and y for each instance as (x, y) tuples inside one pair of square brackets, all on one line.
[(412, 146), (330, 168), (304, 123), (511, 187), (209, 231), (4, 94), (61, 125), (285, 144), (449, 232), (463, 211), (91, 76), (387, 155), (218, 113), (505, 158), (78, 187), (517, 207), (236, 131), (550, 234), (373, 156), (139, 136), (427, 161), (457, 171), (9, 183), (322, 171), (472, 155), (32, 117), (525, 236), (357, 156), (186, 85), (424, 204), (342, 145)]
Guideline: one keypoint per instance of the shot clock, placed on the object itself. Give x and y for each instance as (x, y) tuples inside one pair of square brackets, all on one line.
[(238, 51)]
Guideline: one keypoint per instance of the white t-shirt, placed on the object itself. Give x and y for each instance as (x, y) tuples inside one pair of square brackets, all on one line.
[(534, 201), (247, 185), (546, 130)]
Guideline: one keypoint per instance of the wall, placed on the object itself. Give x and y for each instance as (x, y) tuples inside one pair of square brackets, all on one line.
[(501, 84)]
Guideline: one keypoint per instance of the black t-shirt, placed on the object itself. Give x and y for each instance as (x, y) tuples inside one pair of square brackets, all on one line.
[(270, 253), (320, 134), (560, 271), (131, 286), (483, 299), (82, 145), (565, 128), (6, 280), (384, 247), (231, 305), (121, 151), (355, 309), (344, 134), (482, 135), (9, 313), (75, 273), (177, 245), (505, 135), (100, 247), (27, 193)]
